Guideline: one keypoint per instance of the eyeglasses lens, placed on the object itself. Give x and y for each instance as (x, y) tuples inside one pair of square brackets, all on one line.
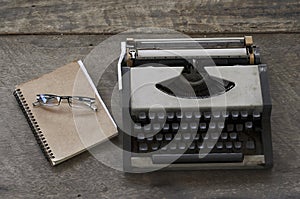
[(78, 102), (49, 100)]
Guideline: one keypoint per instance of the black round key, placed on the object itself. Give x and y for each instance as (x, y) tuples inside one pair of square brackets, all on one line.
[(200, 145), (150, 137), (205, 136), (230, 127), (184, 126), (225, 114), (168, 136), (166, 127), (172, 146), (216, 114), (194, 126), (170, 115), (161, 115), (195, 136), (147, 128), (192, 146), (224, 136), (235, 114), (207, 115), (197, 115), (175, 126), (248, 125), (182, 146), (142, 116), (151, 115), (202, 126), (212, 125), (210, 145), (140, 136), (137, 127), (178, 115), (177, 136), (143, 147), (186, 136), (256, 114), (244, 114), (219, 145), (239, 127), (188, 115), (237, 145), (221, 125), (228, 145), (156, 127), (154, 146), (159, 137), (164, 148), (214, 135), (233, 135)]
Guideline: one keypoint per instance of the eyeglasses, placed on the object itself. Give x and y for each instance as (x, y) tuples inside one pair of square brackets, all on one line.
[(74, 101)]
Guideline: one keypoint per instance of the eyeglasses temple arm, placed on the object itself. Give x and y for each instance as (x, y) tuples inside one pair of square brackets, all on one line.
[(37, 103)]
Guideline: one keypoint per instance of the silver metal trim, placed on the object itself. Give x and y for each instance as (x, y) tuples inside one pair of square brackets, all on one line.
[(123, 52), (219, 39), (249, 160), (183, 53), (246, 93)]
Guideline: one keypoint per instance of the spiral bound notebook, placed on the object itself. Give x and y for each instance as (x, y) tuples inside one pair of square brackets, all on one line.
[(63, 132)]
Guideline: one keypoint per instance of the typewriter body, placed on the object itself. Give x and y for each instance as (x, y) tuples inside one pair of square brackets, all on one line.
[(199, 103)]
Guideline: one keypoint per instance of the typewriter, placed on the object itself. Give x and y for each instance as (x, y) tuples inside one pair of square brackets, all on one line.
[(194, 103)]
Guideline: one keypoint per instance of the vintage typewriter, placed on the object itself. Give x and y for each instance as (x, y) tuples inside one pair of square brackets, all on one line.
[(200, 103)]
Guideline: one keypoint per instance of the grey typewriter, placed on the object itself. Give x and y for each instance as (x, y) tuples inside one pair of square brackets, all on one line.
[(200, 103)]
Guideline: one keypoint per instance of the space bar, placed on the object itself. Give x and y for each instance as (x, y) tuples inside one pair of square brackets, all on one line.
[(196, 158)]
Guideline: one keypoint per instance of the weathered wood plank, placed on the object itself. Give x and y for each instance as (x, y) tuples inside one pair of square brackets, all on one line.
[(113, 16), (25, 172)]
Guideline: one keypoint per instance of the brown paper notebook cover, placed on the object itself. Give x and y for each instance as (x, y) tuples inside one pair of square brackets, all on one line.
[(61, 131)]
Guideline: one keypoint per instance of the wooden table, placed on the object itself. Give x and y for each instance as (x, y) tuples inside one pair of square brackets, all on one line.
[(31, 45)]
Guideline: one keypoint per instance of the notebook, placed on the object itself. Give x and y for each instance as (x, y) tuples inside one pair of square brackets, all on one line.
[(62, 131)]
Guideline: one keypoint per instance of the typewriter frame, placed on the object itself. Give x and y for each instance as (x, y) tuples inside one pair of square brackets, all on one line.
[(132, 164)]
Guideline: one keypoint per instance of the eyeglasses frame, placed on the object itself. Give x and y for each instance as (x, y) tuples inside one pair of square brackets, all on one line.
[(90, 101)]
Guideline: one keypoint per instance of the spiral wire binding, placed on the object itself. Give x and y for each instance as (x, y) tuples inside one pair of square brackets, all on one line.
[(38, 134)]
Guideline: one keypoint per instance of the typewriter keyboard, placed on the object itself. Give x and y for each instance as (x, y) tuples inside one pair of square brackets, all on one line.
[(227, 132)]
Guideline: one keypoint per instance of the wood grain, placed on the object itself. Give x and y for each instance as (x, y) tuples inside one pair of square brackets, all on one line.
[(26, 173), (114, 16)]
